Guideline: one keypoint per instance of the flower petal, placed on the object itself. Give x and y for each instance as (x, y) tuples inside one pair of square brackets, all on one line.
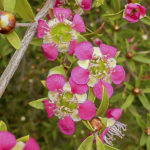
[(114, 113), (42, 28), (72, 47), (62, 13), (66, 126), (87, 110), (84, 50), (98, 90), (50, 52), (108, 50), (78, 88), (31, 145), (75, 116), (80, 75), (67, 87), (142, 10), (52, 96), (87, 4), (103, 134), (84, 63), (55, 82), (97, 52), (81, 98), (49, 107), (7, 140), (118, 75), (78, 23)]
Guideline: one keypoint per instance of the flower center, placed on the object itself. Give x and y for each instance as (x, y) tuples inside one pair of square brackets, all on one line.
[(61, 33), (99, 68)]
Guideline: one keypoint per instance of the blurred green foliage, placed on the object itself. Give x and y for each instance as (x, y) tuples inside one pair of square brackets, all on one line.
[(25, 85)]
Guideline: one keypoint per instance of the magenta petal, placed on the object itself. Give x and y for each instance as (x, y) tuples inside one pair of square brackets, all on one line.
[(55, 82), (87, 110), (7, 140), (114, 113), (98, 90), (87, 4), (118, 75), (78, 88), (42, 28), (49, 107), (62, 13), (142, 10), (108, 50), (72, 47), (103, 134), (78, 23), (84, 50), (66, 126), (31, 145), (50, 52), (80, 75)]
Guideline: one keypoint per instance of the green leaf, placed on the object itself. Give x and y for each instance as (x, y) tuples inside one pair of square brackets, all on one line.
[(58, 70), (43, 83), (88, 125), (140, 122), (14, 40), (115, 16), (141, 59), (116, 5), (148, 143), (108, 147), (81, 38), (148, 120), (98, 3), (138, 81), (146, 20), (24, 10), (9, 5), (146, 90), (91, 95), (36, 42), (128, 86), (104, 104), (87, 143), (23, 139), (143, 139), (38, 104), (128, 102), (3, 126), (116, 97), (143, 99), (99, 144)]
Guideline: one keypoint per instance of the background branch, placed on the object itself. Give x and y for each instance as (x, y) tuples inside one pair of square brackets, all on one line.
[(18, 55)]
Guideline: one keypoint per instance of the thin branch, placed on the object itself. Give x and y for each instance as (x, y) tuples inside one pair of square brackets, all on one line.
[(18, 55), (130, 71), (24, 25)]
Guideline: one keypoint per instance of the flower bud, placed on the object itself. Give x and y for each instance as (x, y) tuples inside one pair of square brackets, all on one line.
[(7, 22), (116, 28), (147, 131), (129, 55), (96, 124), (136, 91)]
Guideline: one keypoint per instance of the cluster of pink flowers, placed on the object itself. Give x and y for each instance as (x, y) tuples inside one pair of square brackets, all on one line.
[(133, 12), (8, 142)]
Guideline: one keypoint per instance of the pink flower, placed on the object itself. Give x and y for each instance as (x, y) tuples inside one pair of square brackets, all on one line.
[(97, 68), (59, 33), (134, 12), (114, 128), (85, 4), (67, 101), (8, 141)]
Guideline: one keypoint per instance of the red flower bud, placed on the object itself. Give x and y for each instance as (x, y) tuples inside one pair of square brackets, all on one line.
[(96, 124)]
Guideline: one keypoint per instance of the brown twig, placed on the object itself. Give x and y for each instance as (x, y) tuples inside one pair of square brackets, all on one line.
[(18, 55)]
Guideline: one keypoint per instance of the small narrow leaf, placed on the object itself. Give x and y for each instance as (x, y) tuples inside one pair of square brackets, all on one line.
[(99, 144), (146, 20), (116, 5), (138, 81), (140, 122), (148, 120), (128, 86), (143, 139), (148, 143), (147, 90), (128, 102), (87, 143), (23, 139), (81, 38), (9, 5), (24, 10), (91, 95), (3, 126), (108, 147), (98, 3), (43, 83), (143, 99), (141, 59), (38, 104), (88, 125), (14, 40), (115, 16), (104, 104)]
